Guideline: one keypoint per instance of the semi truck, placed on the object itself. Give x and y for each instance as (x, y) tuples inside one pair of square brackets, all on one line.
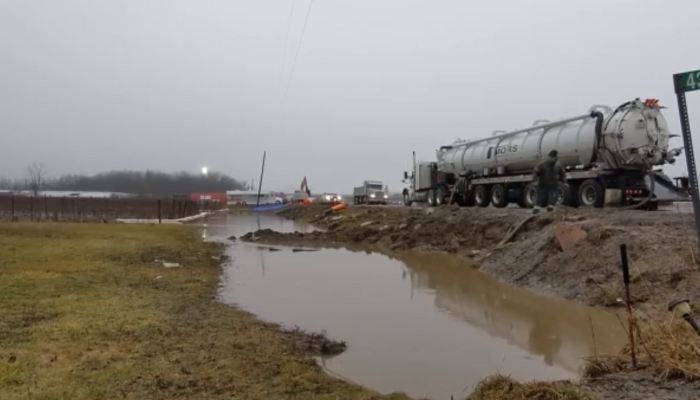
[(610, 157), (371, 192)]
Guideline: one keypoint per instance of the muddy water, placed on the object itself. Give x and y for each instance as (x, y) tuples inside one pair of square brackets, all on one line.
[(423, 324)]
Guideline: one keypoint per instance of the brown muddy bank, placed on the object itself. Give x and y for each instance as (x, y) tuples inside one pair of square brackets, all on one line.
[(660, 246)]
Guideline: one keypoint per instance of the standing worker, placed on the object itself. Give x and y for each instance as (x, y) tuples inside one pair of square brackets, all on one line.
[(548, 174)]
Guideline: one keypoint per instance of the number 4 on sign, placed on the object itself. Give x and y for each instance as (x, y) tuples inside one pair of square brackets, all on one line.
[(689, 81)]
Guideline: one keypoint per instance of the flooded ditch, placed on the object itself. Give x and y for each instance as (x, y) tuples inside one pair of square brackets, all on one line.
[(424, 324)]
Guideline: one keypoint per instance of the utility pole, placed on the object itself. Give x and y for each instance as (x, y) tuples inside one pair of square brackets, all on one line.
[(262, 173)]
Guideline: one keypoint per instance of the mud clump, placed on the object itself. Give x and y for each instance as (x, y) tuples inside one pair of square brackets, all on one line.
[(317, 344)]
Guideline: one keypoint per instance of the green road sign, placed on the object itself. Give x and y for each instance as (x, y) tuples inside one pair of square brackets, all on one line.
[(687, 81)]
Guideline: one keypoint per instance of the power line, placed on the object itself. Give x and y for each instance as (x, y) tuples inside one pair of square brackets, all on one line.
[(294, 62), (286, 41)]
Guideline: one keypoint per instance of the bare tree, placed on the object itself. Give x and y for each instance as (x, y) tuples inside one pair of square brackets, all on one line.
[(36, 176)]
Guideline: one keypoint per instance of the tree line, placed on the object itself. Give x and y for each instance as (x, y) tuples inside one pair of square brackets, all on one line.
[(137, 182)]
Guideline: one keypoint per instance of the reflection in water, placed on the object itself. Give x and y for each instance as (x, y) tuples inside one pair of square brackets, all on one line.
[(427, 325), (557, 330)]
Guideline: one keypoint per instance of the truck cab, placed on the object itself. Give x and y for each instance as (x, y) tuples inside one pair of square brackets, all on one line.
[(371, 192)]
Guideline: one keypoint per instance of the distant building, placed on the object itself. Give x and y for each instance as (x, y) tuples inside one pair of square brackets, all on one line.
[(79, 193)]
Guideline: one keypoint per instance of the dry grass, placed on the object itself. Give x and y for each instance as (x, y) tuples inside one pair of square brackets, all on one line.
[(87, 314), (667, 349), (499, 387)]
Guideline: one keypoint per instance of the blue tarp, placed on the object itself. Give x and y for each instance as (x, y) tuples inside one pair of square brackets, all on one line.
[(271, 207)]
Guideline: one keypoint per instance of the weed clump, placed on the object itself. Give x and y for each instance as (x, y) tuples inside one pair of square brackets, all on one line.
[(500, 387), (668, 349)]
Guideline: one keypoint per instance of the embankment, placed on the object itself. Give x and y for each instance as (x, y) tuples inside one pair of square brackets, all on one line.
[(660, 246), (569, 253)]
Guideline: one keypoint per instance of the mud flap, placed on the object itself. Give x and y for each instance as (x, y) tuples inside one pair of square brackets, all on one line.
[(613, 197)]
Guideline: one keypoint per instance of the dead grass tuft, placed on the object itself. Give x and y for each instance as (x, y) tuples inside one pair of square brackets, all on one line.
[(668, 349), (499, 387)]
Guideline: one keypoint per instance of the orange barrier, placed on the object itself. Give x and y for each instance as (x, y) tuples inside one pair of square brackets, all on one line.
[(338, 207), (305, 203)]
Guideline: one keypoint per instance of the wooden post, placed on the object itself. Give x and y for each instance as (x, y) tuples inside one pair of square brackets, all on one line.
[(31, 208), (12, 200), (626, 281), (46, 207), (160, 218), (179, 209)]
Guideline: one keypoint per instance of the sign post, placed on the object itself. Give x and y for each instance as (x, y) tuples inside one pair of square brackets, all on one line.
[(682, 83)]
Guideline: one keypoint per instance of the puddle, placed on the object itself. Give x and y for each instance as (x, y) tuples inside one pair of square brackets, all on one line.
[(426, 325), (223, 226)]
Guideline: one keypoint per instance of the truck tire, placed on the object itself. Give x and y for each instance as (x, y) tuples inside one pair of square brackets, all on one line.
[(440, 196), (464, 200), (573, 190), (530, 195), (499, 196), (565, 194), (407, 199), (431, 198), (591, 194), (481, 196)]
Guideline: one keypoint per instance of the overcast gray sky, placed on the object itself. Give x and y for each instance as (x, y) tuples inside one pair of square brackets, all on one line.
[(94, 85)]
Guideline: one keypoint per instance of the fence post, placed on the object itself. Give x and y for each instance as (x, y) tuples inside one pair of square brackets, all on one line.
[(46, 208), (160, 218), (31, 208), (12, 217)]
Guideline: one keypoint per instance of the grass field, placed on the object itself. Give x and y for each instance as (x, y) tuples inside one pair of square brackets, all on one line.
[(86, 313)]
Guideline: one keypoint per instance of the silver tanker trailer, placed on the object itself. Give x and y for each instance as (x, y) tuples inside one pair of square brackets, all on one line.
[(609, 155)]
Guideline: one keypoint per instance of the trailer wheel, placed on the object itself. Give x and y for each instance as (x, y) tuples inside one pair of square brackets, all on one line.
[(499, 196), (407, 199), (530, 195), (481, 196), (464, 200), (573, 190), (591, 194), (564, 195)]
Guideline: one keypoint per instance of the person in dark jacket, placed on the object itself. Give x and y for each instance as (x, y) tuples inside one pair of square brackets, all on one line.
[(548, 174)]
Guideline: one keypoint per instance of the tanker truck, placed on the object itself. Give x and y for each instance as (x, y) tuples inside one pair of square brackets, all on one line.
[(609, 156)]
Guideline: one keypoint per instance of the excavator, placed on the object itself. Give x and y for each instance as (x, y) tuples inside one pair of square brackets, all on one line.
[(302, 196)]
